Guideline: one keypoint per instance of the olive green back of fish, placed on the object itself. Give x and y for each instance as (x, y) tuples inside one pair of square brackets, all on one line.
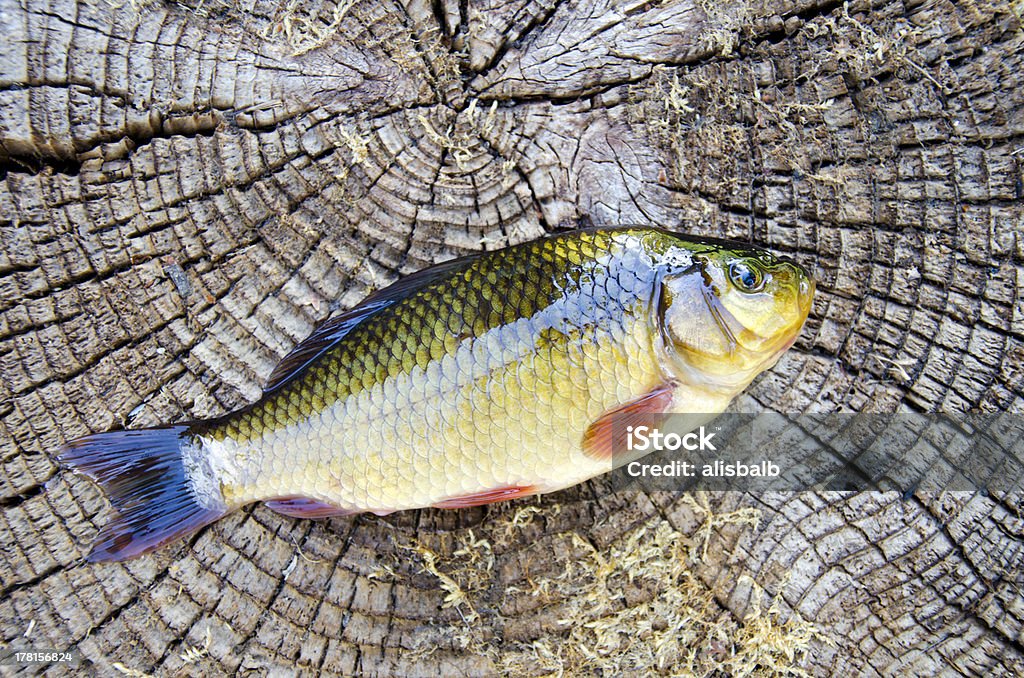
[(461, 305)]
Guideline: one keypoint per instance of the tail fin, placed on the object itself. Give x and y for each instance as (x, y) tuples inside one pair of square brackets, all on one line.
[(145, 477)]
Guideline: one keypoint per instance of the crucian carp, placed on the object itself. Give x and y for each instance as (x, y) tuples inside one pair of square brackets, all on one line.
[(498, 375)]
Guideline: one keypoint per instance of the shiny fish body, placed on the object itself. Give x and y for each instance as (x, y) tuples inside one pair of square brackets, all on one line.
[(472, 381), (484, 380)]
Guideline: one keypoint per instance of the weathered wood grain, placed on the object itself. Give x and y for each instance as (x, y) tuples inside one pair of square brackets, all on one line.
[(186, 189)]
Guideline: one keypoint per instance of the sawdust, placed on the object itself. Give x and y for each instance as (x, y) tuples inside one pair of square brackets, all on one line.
[(472, 562), (712, 521), (766, 645), (129, 671), (677, 628), (454, 139), (357, 144), (455, 596), (683, 111), (721, 109), (193, 654), (632, 607), (305, 27)]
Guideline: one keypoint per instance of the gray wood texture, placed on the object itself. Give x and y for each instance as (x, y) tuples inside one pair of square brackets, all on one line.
[(186, 189)]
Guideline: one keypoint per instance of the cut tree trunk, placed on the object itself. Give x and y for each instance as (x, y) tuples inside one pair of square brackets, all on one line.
[(186, 189)]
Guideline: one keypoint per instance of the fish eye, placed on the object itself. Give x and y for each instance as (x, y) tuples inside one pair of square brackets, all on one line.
[(746, 277)]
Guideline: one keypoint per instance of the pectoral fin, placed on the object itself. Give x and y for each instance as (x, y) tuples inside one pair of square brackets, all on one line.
[(607, 436)]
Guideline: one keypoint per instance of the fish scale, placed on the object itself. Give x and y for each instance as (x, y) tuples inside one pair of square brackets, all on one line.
[(477, 380), (405, 440)]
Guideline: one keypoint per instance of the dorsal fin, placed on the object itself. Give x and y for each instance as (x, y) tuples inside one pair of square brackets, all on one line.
[(323, 337), (333, 330)]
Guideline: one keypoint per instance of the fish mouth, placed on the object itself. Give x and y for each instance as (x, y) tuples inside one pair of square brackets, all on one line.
[(806, 293), (786, 345), (786, 339)]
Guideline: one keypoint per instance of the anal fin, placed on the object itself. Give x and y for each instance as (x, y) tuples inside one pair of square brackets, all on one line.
[(607, 436), (304, 507)]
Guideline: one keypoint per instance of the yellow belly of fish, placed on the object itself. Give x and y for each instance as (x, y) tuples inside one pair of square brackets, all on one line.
[(422, 437)]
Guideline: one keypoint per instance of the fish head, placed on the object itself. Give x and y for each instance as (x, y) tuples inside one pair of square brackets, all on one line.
[(728, 311)]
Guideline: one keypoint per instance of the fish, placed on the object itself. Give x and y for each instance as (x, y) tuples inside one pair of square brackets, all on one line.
[(498, 375)]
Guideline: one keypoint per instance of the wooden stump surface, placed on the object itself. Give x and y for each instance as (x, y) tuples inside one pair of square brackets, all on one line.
[(186, 189)]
